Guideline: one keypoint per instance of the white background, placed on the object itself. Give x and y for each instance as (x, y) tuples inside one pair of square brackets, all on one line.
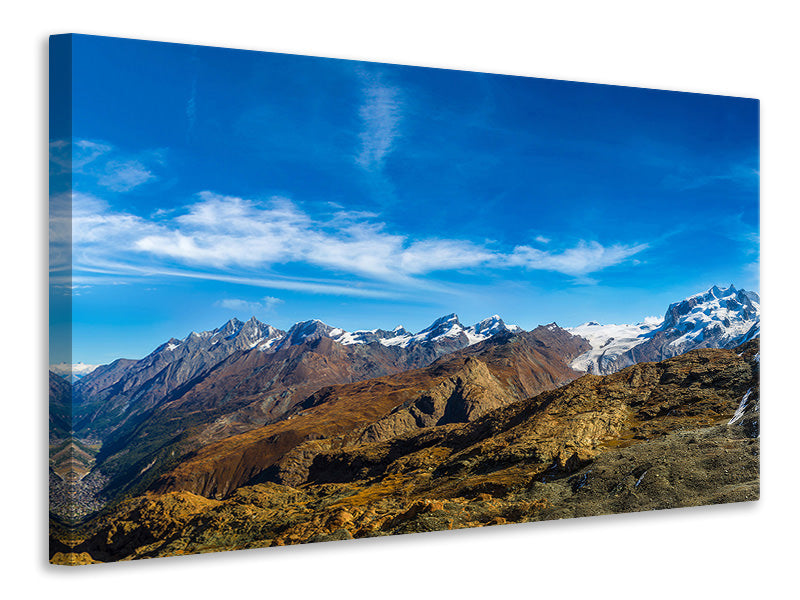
[(732, 48)]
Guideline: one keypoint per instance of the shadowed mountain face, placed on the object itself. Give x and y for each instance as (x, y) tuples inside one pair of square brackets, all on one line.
[(117, 396), (655, 435), (240, 393), (60, 413)]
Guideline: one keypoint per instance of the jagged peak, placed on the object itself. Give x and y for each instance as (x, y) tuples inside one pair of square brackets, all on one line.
[(231, 323), (310, 324), (303, 331), (451, 318), (493, 324)]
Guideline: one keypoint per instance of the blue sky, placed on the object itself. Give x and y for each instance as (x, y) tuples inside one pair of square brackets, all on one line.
[(212, 183)]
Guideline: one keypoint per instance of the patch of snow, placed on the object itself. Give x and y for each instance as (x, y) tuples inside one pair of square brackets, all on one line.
[(740, 410), (400, 340), (608, 342), (270, 343), (473, 338)]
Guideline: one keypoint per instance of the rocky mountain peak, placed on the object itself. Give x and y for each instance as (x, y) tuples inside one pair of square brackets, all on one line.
[(446, 326), (490, 325), (725, 306), (306, 331), (230, 328)]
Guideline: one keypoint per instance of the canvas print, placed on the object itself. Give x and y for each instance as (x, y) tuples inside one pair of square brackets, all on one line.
[(299, 299)]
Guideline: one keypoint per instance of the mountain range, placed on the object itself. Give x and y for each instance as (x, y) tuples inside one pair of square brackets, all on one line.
[(247, 404), (289, 362)]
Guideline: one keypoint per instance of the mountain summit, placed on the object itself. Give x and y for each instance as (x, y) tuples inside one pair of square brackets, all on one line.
[(717, 318)]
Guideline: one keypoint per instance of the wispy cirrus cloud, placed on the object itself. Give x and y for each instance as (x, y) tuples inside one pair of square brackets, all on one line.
[(70, 156), (230, 238), (102, 165), (742, 174), (380, 114)]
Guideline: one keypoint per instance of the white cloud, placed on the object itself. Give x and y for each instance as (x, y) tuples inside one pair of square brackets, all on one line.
[(437, 255), (579, 261), (95, 224), (236, 304), (380, 117), (225, 238), (224, 231), (542, 240), (123, 176)]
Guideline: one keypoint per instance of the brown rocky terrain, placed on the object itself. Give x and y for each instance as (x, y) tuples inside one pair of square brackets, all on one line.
[(682, 432)]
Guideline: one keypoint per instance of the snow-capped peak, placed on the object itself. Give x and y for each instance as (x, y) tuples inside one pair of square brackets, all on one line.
[(726, 315), (716, 318), (306, 331), (490, 325)]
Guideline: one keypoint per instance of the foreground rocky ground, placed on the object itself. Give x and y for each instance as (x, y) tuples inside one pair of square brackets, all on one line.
[(653, 436)]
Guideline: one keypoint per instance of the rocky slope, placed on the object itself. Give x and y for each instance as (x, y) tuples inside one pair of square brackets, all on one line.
[(654, 435), (60, 408), (718, 318)]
